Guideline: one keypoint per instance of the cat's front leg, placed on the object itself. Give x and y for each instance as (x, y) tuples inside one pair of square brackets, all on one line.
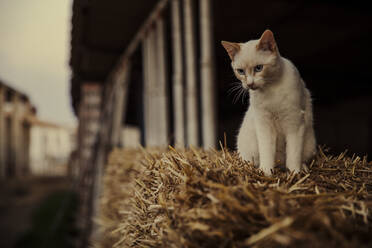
[(294, 149), (266, 137)]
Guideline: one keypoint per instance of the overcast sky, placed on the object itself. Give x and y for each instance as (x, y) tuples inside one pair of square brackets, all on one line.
[(34, 54)]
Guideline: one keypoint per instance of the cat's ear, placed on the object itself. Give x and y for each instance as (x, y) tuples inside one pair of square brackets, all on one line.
[(267, 42), (232, 48)]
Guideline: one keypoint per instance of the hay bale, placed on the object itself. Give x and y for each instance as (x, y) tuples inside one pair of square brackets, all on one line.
[(197, 198)]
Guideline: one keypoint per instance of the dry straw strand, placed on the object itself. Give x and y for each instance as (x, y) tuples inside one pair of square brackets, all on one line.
[(197, 198)]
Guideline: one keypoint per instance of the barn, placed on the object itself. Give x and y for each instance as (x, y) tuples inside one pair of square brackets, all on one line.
[(157, 68)]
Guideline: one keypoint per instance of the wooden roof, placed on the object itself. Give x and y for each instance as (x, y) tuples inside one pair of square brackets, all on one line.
[(310, 33), (100, 32)]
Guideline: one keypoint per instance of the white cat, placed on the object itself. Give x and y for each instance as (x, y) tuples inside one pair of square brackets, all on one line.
[(278, 124)]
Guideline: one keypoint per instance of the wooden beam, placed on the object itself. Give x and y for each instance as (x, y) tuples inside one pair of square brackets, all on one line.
[(208, 84), (145, 27), (178, 99), (140, 36), (191, 89)]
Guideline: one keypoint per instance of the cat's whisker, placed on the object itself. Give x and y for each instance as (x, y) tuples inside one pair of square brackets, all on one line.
[(236, 83), (238, 95), (235, 97), (245, 96), (233, 89)]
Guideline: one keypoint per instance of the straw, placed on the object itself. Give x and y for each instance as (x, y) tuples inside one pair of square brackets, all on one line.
[(198, 198)]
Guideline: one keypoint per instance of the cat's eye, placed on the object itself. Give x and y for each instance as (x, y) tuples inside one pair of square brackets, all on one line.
[(258, 68), (240, 71)]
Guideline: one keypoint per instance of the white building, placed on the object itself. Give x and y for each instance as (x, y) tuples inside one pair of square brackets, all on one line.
[(50, 148)]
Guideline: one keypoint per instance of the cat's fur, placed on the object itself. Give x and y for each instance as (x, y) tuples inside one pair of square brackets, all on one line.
[(278, 124)]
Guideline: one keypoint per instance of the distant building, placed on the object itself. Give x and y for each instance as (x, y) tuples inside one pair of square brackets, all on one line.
[(27, 144), (50, 148), (15, 112)]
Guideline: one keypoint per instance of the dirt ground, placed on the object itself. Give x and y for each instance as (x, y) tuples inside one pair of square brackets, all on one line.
[(18, 200)]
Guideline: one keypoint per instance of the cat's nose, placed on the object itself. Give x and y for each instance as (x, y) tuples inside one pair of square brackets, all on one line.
[(252, 86)]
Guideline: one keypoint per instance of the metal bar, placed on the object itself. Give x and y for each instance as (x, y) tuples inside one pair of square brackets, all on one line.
[(208, 84), (178, 104), (191, 90)]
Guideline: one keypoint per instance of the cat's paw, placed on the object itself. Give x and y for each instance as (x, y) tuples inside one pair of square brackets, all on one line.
[(295, 170), (267, 171), (305, 168)]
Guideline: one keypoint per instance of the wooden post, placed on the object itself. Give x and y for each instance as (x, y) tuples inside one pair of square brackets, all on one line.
[(2, 134), (89, 118), (26, 129), (144, 87), (178, 105), (153, 133), (153, 120), (161, 85), (147, 89), (15, 140), (191, 90), (208, 84), (121, 88), (96, 233)]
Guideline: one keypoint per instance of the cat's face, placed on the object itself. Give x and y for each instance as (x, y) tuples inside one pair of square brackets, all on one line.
[(255, 63)]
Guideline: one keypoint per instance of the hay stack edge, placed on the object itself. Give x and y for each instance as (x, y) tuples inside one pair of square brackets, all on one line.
[(198, 198)]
